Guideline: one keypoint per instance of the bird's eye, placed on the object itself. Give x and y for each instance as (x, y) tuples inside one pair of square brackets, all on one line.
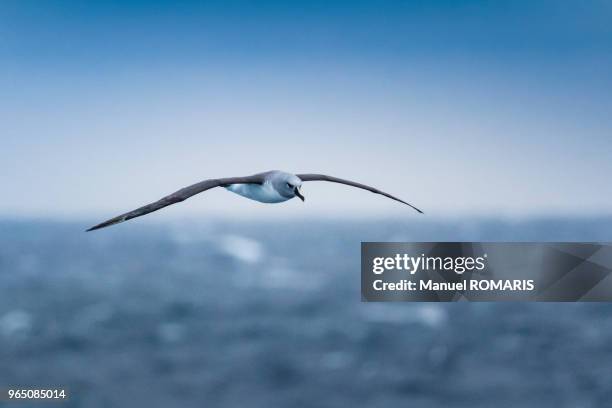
[(289, 185)]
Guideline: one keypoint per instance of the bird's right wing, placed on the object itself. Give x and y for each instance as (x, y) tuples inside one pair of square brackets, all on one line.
[(181, 195)]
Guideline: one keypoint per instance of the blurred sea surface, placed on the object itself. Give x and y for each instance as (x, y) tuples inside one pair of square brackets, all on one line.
[(268, 314)]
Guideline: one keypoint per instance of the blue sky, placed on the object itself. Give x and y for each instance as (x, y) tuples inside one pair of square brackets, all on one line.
[(462, 107)]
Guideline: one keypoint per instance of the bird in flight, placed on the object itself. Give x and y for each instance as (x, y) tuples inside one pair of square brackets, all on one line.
[(269, 187)]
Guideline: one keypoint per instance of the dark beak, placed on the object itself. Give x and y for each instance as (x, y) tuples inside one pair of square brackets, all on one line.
[(298, 193)]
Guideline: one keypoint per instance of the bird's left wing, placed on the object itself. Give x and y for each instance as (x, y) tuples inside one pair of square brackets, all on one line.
[(181, 195), (323, 177)]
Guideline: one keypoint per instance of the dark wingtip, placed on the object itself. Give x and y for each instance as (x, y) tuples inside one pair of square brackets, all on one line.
[(108, 223), (412, 206), (95, 227)]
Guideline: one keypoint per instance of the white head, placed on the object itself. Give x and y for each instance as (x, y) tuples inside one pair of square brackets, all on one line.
[(288, 185)]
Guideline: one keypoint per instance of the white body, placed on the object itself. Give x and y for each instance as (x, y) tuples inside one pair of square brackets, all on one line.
[(264, 193)]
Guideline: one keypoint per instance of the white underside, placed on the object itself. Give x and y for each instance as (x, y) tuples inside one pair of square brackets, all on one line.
[(263, 193)]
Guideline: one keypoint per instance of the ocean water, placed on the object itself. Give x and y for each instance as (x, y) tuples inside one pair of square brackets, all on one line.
[(268, 314)]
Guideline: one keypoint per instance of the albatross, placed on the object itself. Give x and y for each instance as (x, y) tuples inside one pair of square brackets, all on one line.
[(269, 187)]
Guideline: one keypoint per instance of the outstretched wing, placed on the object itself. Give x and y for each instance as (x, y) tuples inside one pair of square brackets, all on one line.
[(181, 195), (323, 177)]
